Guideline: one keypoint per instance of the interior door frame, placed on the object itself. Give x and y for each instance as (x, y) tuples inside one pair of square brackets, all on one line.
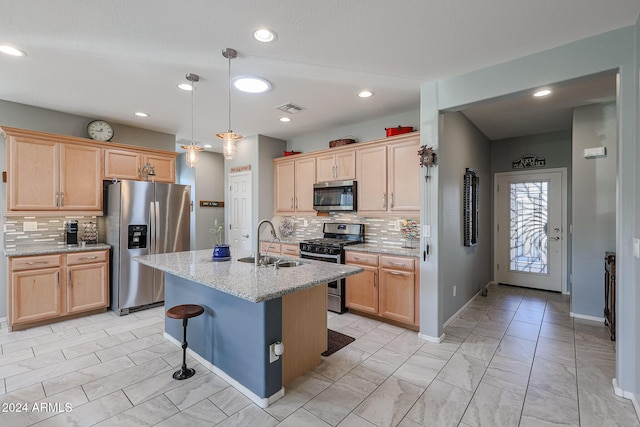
[(228, 231), (566, 232)]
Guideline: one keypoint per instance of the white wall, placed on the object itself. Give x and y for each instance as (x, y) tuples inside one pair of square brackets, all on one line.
[(594, 205)]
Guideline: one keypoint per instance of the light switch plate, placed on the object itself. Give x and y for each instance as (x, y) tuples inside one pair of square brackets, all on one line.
[(636, 248), (426, 230), (30, 226)]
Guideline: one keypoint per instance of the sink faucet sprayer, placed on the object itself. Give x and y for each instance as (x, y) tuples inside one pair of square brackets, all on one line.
[(273, 233)]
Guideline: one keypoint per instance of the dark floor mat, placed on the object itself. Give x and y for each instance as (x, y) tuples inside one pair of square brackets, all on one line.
[(335, 341)]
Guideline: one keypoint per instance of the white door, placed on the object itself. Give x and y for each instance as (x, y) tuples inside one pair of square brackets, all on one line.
[(240, 210), (529, 224)]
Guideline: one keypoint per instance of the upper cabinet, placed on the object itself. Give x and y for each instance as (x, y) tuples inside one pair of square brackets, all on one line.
[(45, 175), (389, 177), (387, 171), (129, 164), (294, 181), (338, 166), (54, 174)]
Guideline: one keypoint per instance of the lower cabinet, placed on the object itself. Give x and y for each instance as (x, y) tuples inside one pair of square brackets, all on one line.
[(51, 287), (388, 288)]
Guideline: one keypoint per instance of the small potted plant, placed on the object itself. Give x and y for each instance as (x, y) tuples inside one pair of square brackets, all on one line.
[(221, 250)]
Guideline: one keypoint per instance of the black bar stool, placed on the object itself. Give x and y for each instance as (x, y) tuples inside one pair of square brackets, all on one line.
[(184, 312)]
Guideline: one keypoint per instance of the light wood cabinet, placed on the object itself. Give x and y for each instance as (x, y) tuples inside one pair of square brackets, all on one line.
[(45, 175), (389, 177), (388, 288), (338, 166), (294, 181), (129, 164), (85, 272), (46, 288), (371, 167), (57, 174), (290, 249)]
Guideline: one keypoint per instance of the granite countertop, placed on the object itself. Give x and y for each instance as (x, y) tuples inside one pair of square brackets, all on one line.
[(245, 280), (384, 249), (54, 249)]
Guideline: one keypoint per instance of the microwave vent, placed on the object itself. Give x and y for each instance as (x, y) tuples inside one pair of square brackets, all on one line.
[(289, 108)]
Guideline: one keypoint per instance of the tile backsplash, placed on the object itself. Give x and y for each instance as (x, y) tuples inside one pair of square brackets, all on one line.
[(380, 231), (49, 230)]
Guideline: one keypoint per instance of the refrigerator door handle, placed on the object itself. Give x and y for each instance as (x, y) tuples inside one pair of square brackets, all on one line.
[(152, 227)]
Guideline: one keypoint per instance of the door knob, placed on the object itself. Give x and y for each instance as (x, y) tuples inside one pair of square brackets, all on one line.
[(554, 238), (245, 235)]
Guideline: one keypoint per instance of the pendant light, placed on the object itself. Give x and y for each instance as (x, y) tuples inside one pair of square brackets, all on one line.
[(192, 149), (229, 138)]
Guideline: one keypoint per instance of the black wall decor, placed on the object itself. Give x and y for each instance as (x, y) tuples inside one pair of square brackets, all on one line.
[(471, 208)]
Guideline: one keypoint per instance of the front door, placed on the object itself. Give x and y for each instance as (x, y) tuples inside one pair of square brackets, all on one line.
[(240, 210), (529, 226)]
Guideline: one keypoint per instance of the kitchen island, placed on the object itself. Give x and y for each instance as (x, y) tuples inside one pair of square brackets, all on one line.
[(248, 308)]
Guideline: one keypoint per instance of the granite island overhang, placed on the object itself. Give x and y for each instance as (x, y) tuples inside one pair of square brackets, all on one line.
[(248, 308)]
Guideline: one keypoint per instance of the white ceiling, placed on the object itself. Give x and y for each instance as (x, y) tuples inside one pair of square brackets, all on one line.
[(108, 59)]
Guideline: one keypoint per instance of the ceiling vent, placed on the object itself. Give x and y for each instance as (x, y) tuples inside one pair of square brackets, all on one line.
[(289, 108)]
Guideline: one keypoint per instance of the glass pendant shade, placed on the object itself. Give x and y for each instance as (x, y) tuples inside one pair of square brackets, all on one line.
[(192, 155), (229, 147)]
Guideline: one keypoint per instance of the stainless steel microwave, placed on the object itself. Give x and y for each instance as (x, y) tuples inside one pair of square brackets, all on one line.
[(335, 196)]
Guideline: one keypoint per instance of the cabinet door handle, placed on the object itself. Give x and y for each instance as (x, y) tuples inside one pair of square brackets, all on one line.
[(375, 279), (357, 258), (139, 173), (244, 235), (69, 278), (296, 203), (292, 203), (384, 200), (62, 199), (391, 200), (400, 264), (88, 257), (57, 199), (335, 171), (36, 262), (58, 279)]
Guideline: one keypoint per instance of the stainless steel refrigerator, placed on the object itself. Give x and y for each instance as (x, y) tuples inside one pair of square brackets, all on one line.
[(143, 218)]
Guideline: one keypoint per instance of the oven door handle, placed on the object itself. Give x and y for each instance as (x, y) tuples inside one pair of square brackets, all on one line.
[(312, 256)]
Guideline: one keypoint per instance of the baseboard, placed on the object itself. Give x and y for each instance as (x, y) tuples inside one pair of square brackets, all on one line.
[(260, 401), (464, 307), (429, 338), (627, 395), (585, 317)]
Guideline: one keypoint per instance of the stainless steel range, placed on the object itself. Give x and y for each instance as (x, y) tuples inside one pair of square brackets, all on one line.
[(330, 249)]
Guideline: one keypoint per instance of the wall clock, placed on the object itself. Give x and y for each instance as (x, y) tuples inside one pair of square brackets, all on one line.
[(100, 130)]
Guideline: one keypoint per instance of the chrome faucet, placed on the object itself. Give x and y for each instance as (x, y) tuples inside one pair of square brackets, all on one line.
[(258, 258)]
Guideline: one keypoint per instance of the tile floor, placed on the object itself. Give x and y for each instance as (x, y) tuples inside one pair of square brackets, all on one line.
[(514, 358)]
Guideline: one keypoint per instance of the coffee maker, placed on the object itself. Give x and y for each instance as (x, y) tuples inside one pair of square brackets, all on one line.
[(72, 232)]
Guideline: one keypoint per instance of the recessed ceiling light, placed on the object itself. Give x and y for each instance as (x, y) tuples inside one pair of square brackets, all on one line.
[(9, 50), (365, 94), (207, 145), (285, 119), (141, 114), (543, 92), (264, 35), (251, 84), (185, 86)]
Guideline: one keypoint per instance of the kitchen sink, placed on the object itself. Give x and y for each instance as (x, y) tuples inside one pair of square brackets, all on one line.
[(287, 264), (264, 261)]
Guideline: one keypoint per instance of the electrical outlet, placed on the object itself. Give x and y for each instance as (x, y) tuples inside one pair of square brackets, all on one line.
[(426, 230), (455, 289), (272, 353), (30, 226)]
